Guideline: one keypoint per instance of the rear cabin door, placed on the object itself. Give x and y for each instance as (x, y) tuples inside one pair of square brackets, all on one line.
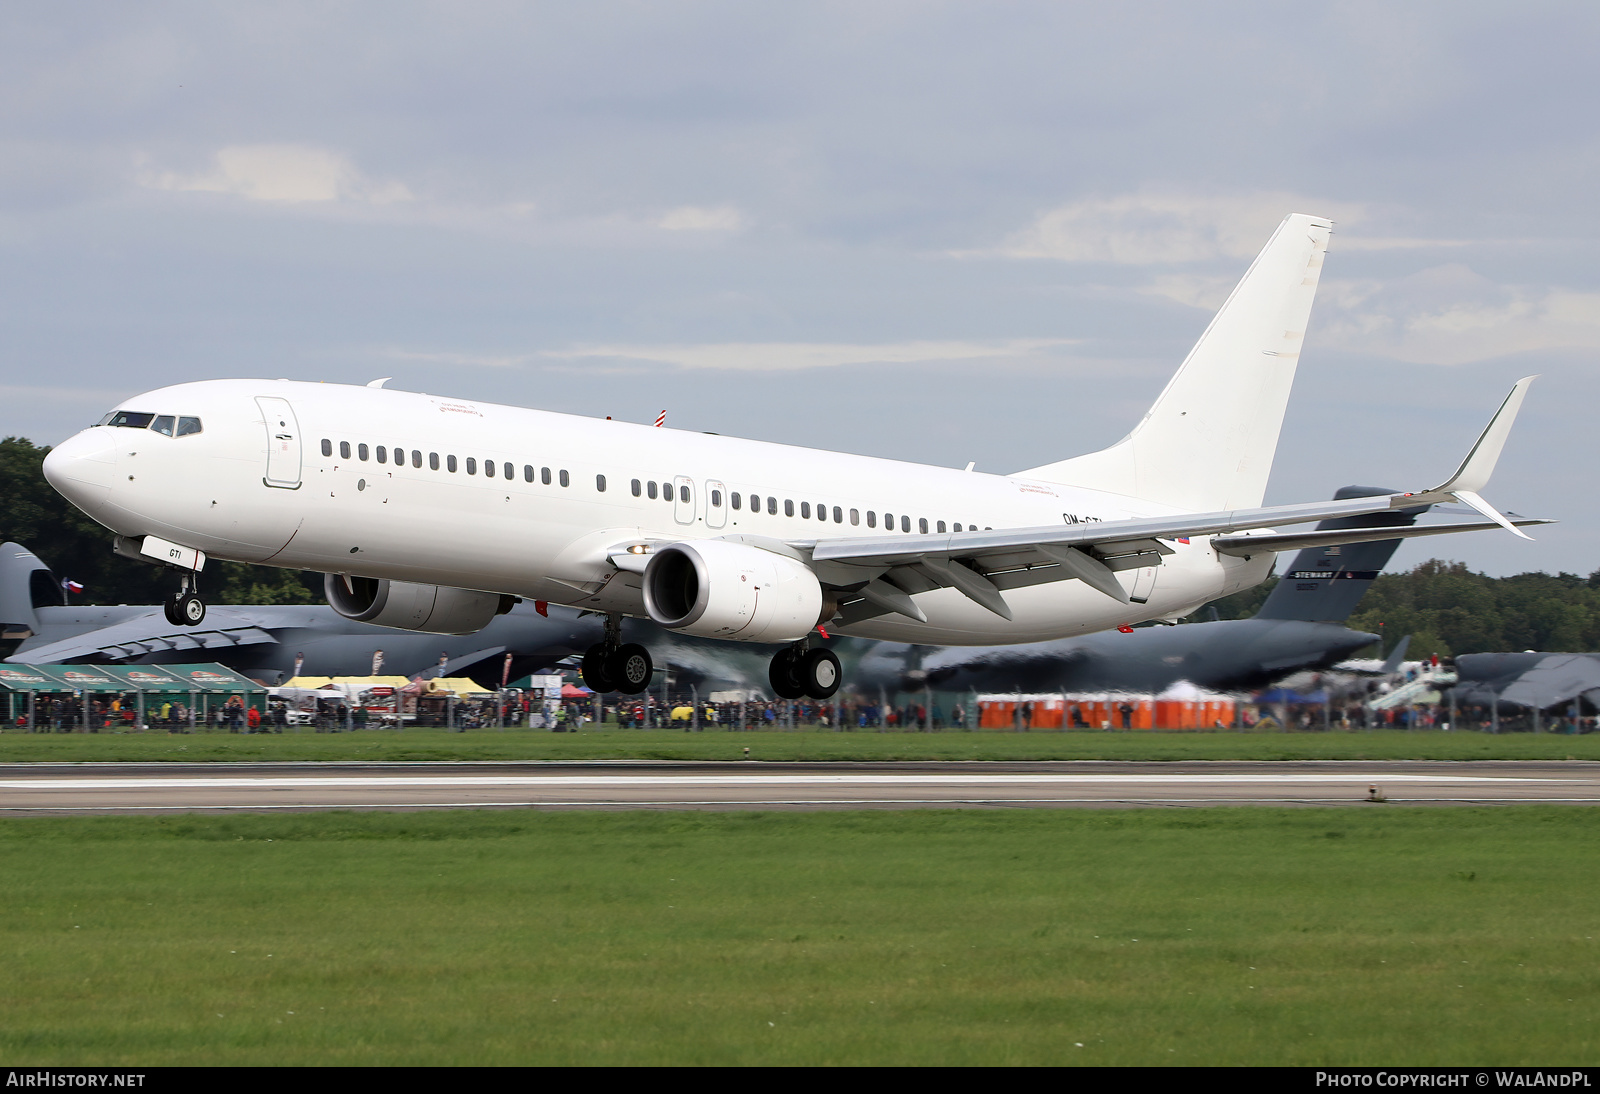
[(283, 443)]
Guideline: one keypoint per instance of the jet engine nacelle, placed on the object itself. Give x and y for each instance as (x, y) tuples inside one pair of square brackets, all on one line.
[(437, 609), (716, 589)]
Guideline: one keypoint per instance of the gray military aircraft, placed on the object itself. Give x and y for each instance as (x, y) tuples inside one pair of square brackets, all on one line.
[(263, 641), (1301, 626)]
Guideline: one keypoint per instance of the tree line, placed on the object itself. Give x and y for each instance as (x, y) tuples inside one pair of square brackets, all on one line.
[(1445, 607)]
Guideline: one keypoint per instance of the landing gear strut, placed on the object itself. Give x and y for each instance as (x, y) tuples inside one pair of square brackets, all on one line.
[(800, 672), (185, 608), (613, 665)]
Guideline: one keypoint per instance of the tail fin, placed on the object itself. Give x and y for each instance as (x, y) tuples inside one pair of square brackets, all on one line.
[(1324, 584), (26, 583), (1208, 441)]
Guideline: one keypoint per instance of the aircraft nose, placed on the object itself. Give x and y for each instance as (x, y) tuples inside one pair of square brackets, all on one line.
[(82, 467)]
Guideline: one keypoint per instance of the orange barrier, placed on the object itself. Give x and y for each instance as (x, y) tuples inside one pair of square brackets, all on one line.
[(1130, 712)]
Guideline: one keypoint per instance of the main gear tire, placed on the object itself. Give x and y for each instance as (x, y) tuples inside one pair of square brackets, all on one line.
[(596, 670), (819, 673), (631, 667), (783, 674)]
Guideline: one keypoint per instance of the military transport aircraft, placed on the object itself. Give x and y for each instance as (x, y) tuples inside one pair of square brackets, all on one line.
[(436, 514), (1301, 626)]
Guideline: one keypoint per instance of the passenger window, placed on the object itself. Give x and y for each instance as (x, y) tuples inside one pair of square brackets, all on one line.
[(510, 472), (636, 488), (600, 483), (527, 471), (433, 461), (564, 479), (735, 499), (188, 426), (683, 493), (772, 505), (716, 499), (544, 475), (130, 419), (488, 468), (805, 510), (788, 507), (666, 491), (416, 457), (905, 524), (382, 454), (472, 466), (855, 517), (755, 503), (166, 425), (450, 464), (941, 526), (652, 485), (838, 516), (953, 528), (922, 525), (888, 522), (327, 447), (344, 450), (363, 452), (872, 519)]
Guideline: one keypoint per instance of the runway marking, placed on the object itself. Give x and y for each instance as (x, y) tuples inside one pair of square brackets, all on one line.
[(642, 781), (777, 802)]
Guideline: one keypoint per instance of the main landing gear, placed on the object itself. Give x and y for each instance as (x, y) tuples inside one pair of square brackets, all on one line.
[(800, 672), (185, 608), (612, 665)]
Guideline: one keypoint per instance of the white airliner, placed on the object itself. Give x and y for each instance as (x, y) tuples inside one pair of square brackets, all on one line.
[(435, 514)]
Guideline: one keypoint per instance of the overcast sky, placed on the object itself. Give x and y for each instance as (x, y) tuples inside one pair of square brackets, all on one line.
[(941, 232)]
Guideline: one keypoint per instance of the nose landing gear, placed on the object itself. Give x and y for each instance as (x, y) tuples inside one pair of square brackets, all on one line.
[(612, 665), (185, 608), (800, 672)]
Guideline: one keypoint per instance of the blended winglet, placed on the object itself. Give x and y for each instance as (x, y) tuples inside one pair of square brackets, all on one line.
[(1474, 473)]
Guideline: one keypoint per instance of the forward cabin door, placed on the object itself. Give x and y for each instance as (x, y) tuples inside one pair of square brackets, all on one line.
[(283, 443), (683, 499), (716, 497)]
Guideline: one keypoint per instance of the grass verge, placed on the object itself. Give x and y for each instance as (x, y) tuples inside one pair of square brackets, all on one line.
[(1221, 936), (811, 744)]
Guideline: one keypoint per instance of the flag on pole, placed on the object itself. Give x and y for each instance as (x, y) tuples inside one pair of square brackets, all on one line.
[(72, 586), (661, 419)]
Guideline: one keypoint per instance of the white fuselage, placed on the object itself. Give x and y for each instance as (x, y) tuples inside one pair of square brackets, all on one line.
[(254, 485)]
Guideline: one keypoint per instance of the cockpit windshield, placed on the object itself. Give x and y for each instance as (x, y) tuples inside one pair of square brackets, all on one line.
[(167, 425)]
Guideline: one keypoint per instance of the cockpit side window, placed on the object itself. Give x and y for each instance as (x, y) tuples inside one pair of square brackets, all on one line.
[(130, 419), (164, 425), (188, 426)]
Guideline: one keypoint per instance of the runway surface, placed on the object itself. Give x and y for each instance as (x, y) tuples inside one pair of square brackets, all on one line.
[(156, 788)]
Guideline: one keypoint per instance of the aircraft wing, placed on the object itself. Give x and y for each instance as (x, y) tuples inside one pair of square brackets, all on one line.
[(879, 574), (151, 633)]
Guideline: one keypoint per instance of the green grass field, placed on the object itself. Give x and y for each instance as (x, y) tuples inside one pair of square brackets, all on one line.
[(805, 744), (1226, 936)]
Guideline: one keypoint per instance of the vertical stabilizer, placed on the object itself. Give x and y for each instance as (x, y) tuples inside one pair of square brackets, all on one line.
[(1324, 584), (1208, 441), (26, 583)]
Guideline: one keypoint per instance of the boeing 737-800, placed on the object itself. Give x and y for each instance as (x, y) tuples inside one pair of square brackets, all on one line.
[(434, 513)]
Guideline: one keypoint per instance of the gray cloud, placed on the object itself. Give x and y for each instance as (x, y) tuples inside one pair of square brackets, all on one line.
[(1010, 221)]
